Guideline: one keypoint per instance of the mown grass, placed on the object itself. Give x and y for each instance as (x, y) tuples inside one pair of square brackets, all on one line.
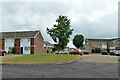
[(12, 54), (44, 58)]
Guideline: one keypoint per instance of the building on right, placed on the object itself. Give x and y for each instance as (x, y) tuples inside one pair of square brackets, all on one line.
[(101, 44)]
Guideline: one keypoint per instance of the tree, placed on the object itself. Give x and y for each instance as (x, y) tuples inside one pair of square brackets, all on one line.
[(60, 33), (78, 41)]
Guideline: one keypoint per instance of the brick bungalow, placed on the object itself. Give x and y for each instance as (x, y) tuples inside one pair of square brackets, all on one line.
[(26, 42), (107, 44)]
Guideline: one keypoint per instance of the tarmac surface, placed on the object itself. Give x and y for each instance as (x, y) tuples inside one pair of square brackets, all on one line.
[(71, 70), (91, 66)]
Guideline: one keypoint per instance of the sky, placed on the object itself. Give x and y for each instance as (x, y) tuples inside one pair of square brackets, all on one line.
[(92, 18)]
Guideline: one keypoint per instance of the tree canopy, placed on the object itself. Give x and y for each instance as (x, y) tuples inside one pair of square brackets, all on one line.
[(60, 33), (78, 41)]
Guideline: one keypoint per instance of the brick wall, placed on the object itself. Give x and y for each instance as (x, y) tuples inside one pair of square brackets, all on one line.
[(91, 44), (112, 44), (39, 44), (17, 45), (2, 44), (94, 44)]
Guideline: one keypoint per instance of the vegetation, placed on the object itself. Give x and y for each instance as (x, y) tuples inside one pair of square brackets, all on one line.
[(78, 41), (61, 32), (96, 50), (14, 50), (44, 58)]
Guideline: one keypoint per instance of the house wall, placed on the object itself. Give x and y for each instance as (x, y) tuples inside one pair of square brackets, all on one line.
[(91, 44), (113, 44), (30, 45), (9, 44), (39, 44)]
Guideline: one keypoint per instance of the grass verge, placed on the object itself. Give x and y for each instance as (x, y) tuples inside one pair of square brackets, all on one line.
[(44, 58)]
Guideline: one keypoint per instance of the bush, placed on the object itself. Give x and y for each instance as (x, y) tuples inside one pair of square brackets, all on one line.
[(9, 52), (96, 50), (14, 50)]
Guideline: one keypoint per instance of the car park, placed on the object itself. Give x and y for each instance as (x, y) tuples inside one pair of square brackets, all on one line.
[(85, 52), (112, 52), (117, 52), (61, 52), (76, 52), (104, 52), (2, 52)]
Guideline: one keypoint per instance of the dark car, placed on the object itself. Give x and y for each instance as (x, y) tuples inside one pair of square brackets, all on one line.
[(104, 52), (86, 52), (112, 52)]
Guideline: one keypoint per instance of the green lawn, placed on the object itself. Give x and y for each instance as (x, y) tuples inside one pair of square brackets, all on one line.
[(44, 58)]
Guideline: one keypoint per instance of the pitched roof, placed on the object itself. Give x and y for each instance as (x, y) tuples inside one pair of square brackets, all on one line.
[(18, 34), (48, 43)]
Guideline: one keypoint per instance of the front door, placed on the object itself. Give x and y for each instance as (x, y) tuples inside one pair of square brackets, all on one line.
[(21, 50)]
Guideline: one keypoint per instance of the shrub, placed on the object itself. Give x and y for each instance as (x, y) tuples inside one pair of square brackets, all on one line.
[(9, 52), (14, 50)]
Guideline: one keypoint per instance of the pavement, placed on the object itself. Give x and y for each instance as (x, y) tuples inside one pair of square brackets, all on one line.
[(91, 66), (8, 57)]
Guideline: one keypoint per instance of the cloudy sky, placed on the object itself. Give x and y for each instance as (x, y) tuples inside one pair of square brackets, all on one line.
[(93, 18)]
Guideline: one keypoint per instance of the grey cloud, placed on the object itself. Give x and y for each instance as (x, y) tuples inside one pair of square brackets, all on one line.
[(92, 19)]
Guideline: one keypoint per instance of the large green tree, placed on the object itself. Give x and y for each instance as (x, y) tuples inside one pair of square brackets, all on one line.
[(78, 41), (61, 32)]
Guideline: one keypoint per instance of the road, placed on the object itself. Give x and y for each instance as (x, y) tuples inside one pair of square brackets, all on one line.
[(72, 70), (91, 66)]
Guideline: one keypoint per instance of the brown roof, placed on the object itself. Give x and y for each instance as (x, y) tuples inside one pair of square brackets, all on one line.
[(103, 39), (18, 34)]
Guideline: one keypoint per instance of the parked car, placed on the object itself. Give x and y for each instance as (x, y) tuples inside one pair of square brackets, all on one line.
[(112, 52), (76, 52), (2, 52), (72, 52), (104, 52), (61, 52), (85, 51), (117, 52)]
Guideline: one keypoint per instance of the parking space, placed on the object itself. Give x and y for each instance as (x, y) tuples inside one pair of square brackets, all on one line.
[(99, 58)]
